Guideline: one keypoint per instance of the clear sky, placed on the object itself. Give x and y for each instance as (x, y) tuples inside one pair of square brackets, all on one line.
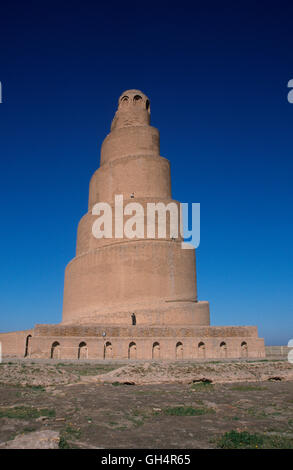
[(216, 74)]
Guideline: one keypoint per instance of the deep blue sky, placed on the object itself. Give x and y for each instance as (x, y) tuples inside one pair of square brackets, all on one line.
[(216, 74)]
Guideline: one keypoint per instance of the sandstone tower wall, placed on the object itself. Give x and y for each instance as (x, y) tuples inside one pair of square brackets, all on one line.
[(143, 177), (112, 278)]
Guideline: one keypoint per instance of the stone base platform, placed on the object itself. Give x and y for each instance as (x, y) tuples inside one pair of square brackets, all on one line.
[(142, 342)]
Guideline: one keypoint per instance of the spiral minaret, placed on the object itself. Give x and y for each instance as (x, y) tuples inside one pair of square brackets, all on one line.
[(110, 279), (132, 295)]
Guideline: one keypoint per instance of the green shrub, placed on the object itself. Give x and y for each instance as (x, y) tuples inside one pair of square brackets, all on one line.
[(63, 444), (240, 440), (26, 412), (187, 411), (245, 440)]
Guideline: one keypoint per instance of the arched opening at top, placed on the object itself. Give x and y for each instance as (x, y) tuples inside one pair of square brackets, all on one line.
[(82, 351), (27, 346), (124, 101), (244, 349), (223, 349), (55, 350), (156, 350), (133, 319), (132, 350), (137, 98), (147, 104), (108, 350), (201, 349), (179, 350)]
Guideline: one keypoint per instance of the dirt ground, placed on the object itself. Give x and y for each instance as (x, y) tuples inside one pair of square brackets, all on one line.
[(97, 405)]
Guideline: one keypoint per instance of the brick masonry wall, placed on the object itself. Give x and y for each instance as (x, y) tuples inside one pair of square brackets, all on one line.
[(146, 348), (88, 342), (14, 343)]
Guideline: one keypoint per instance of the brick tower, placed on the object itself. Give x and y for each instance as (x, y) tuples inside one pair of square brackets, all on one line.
[(132, 297), (110, 279)]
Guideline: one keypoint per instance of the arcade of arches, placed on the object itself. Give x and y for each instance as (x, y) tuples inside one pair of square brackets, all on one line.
[(199, 350)]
